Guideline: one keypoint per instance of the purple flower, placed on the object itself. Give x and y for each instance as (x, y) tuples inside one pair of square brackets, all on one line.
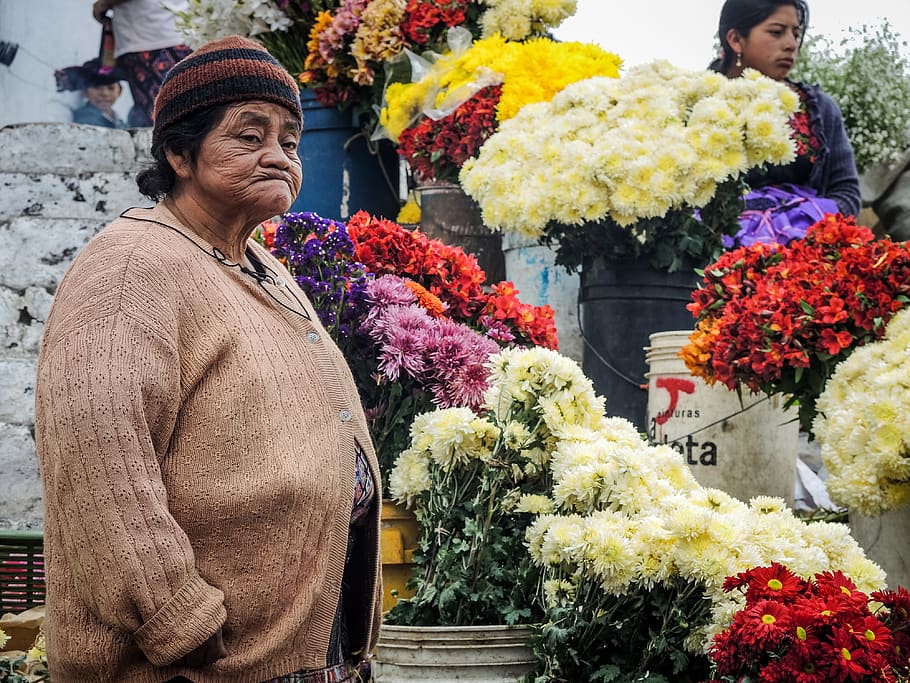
[(382, 292), (496, 329), (465, 388), (400, 333), (390, 289), (458, 357), (449, 345), (320, 255), (411, 318)]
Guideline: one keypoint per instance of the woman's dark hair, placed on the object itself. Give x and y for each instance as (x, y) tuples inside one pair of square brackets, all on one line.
[(744, 15), (184, 136)]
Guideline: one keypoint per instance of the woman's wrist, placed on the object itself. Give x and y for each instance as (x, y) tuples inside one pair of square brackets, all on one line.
[(100, 7)]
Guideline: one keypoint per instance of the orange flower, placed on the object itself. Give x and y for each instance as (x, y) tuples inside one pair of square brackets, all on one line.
[(432, 303)]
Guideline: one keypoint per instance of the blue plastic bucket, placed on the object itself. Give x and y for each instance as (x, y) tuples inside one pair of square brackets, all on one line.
[(343, 172)]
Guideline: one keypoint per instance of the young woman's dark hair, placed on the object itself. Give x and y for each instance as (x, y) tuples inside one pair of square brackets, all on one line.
[(183, 137), (744, 15)]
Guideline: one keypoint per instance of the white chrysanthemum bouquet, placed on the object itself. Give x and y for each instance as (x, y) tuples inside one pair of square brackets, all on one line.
[(863, 424), (206, 20), (628, 551), (472, 481), (649, 147)]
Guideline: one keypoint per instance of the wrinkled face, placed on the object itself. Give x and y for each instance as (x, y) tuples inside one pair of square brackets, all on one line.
[(772, 46), (247, 165), (103, 96)]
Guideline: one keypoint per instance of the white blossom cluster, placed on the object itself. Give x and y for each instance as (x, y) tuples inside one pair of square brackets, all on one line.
[(656, 139), (863, 424), (206, 20), (868, 75)]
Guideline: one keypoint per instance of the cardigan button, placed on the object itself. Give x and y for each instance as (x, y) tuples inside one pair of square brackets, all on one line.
[(345, 415), (312, 337)]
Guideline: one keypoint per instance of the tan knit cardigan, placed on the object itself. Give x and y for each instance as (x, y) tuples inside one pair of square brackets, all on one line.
[(196, 441)]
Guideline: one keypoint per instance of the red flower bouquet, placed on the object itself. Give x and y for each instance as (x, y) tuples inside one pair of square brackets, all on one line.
[(426, 21), (385, 247), (437, 149), (778, 319), (819, 631)]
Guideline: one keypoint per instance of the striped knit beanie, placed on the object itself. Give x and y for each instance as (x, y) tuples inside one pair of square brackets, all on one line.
[(224, 71)]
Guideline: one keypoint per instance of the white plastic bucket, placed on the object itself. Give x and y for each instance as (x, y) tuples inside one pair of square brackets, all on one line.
[(532, 268), (747, 449), (453, 654)]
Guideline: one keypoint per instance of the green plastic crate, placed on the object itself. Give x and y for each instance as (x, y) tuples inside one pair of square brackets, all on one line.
[(21, 570)]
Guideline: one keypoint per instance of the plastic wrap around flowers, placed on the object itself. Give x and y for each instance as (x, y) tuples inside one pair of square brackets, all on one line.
[(340, 47), (777, 214), (454, 101)]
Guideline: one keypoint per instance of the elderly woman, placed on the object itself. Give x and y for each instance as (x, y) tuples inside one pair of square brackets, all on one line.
[(210, 485)]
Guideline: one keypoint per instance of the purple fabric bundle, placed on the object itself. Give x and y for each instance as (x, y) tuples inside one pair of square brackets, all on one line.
[(778, 214)]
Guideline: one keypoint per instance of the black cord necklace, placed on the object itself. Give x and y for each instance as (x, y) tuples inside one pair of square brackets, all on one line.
[(260, 272)]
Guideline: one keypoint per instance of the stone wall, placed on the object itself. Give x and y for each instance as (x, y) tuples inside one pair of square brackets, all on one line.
[(59, 184)]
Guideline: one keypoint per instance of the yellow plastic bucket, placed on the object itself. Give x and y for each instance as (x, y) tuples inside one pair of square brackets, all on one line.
[(398, 539)]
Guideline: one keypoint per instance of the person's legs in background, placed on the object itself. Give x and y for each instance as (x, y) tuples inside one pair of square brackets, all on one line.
[(145, 71)]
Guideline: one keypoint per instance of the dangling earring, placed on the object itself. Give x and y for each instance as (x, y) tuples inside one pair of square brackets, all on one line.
[(739, 60)]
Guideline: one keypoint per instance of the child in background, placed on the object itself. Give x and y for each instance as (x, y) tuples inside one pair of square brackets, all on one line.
[(100, 87)]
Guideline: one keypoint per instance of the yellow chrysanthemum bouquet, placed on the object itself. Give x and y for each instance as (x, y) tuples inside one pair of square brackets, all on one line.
[(648, 164), (629, 554), (863, 424), (444, 109)]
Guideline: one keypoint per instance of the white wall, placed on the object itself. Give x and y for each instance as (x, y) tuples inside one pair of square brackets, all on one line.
[(59, 184), (51, 34)]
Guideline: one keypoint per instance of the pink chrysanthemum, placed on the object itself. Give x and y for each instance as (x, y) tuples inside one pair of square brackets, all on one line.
[(496, 329), (449, 346), (402, 350), (466, 387), (395, 318), (382, 292), (468, 379)]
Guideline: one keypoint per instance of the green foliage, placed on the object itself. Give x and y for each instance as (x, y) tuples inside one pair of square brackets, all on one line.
[(472, 570), (472, 567), (622, 639), (868, 75), (20, 670), (390, 407), (677, 241)]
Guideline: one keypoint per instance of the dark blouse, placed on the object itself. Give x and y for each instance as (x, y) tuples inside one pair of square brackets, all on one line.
[(824, 156)]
